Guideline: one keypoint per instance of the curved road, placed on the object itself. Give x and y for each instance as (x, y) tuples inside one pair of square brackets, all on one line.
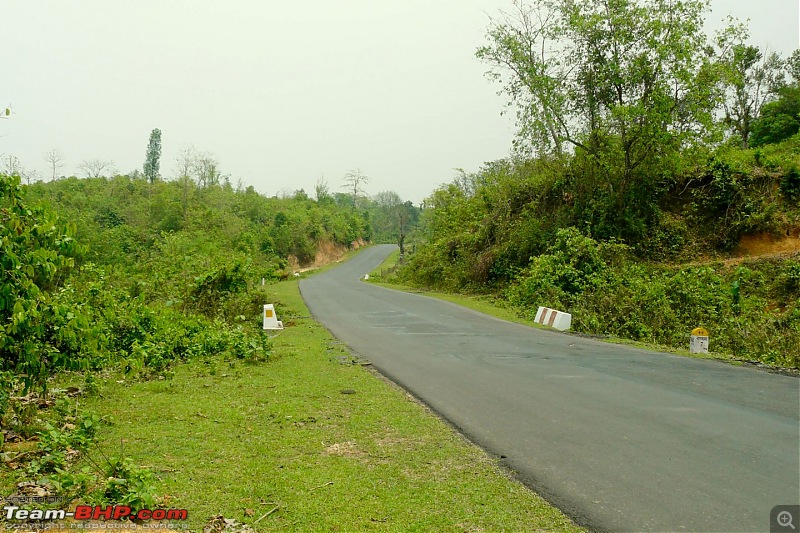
[(619, 438)]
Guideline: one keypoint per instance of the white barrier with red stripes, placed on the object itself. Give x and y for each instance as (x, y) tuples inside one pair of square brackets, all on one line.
[(553, 318)]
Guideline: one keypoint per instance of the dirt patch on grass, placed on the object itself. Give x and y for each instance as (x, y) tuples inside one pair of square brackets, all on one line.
[(767, 244), (344, 449), (393, 442)]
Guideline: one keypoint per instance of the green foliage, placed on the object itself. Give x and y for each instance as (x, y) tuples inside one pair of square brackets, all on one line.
[(393, 219), (142, 298), (607, 293), (56, 446), (573, 264), (213, 287), (749, 79), (733, 199), (153, 156), (42, 328), (790, 185), (779, 119), (124, 483), (627, 84)]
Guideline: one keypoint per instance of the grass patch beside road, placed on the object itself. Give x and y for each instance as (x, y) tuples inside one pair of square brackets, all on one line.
[(316, 437)]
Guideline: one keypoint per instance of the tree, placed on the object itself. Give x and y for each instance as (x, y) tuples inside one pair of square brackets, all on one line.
[(322, 191), (780, 119), (354, 182), (626, 84), (749, 79), (153, 157), (96, 168), (206, 169), (631, 68), (12, 166), (793, 65), (398, 213), (55, 160), (184, 162)]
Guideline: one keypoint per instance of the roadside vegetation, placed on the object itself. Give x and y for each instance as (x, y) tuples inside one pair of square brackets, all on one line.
[(135, 371), (636, 180), (113, 281)]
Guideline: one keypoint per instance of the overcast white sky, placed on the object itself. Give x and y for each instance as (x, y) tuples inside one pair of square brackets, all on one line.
[(281, 93)]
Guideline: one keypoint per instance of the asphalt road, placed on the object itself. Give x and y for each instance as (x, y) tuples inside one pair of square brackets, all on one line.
[(620, 439)]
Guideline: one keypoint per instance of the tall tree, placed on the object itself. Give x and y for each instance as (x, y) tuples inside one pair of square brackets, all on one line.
[(780, 119), (55, 160), (152, 160), (750, 78), (206, 169), (354, 182), (626, 84), (630, 68), (793, 65), (398, 214)]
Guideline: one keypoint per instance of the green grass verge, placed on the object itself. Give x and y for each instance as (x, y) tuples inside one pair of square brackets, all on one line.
[(388, 264), (242, 440)]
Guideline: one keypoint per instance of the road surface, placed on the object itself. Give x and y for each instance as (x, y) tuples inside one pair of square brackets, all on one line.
[(620, 439)]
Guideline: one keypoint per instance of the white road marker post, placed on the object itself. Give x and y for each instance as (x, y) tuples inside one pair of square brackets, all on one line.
[(698, 341), (271, 321)]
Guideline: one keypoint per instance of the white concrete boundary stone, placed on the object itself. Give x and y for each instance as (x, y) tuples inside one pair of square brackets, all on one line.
[(271, 321), (553, 318)]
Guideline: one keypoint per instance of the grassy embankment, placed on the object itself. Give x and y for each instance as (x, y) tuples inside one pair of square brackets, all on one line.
[(317, 438)]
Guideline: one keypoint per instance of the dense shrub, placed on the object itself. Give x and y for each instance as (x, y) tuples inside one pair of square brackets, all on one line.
[(609, 293), (42, 327)]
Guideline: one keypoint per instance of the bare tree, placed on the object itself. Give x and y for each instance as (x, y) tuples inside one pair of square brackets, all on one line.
[(12, 166), (31, 175), (184, 168), (96, 168), (55, 160), (184, 162), (354, 182), (206, 169)]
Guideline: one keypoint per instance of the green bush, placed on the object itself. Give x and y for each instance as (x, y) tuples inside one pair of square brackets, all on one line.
[(790, 185), (42, 327), (572, 265)]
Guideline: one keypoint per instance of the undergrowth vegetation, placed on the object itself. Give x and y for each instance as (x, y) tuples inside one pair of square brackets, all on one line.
[(121, 279)]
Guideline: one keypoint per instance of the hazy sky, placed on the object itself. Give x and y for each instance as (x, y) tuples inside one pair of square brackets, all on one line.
[(282, 93)]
